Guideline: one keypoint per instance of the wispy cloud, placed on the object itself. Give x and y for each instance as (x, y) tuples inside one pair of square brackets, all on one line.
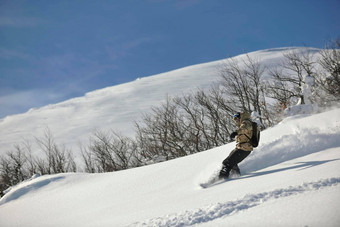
[(127, 47), (9, 21), (71, 67), (180, 4), (12, 54), (59, 77), (136, 42)]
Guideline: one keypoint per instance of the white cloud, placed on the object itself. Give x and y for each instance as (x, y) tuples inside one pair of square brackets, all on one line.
[(10, 21), (9, 54), (127, 47)]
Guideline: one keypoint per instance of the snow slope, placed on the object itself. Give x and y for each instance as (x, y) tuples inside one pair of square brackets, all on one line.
[(119, 106), (291, 179)]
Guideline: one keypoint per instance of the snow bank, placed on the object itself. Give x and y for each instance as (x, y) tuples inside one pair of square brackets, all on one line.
[(295, 137), (216, 211), (167, 194)]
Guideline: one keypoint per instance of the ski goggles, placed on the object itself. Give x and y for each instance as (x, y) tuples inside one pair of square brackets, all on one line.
[(237, 116)]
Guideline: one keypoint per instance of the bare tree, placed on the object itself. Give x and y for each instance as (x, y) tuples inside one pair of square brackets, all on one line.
[(279, 89), (292, 82), (31, 166), (101, 148), (243, 85), (297, 67), (236, 84), (160, 133), (254, 72), (13, 168), (6, 179), (195, 137), (185, 125), (328, 80), (217, 112), (109, 151), (58, 158), (89, 159)]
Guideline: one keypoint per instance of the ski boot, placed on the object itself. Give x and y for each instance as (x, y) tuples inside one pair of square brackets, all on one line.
[(224, 173)]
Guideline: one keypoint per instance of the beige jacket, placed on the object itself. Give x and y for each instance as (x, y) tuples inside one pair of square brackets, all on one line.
[(244, 133)]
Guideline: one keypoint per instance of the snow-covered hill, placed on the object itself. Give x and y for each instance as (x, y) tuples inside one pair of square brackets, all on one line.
[(291, 179), (119, 106)]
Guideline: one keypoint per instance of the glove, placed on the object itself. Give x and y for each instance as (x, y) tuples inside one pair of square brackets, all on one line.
[(233, 135)]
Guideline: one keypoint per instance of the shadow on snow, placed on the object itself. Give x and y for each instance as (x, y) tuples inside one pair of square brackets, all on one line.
[(17, 193)]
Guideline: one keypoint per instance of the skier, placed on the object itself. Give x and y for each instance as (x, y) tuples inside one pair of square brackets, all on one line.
[(243, 145)]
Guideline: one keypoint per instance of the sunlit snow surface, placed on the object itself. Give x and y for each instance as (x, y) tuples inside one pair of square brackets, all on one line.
[(291, 179)]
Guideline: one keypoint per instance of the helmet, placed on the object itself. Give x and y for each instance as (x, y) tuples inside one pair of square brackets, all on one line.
[(237, 115)]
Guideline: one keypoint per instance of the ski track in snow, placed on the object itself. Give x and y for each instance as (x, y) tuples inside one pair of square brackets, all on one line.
[(219, 210)]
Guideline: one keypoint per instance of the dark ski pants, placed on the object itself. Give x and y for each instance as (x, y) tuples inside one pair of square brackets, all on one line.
[(235, 157), (230, 163)]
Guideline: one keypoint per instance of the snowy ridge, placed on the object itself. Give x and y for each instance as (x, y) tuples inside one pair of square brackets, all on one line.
[(117, 107), (219, 210)]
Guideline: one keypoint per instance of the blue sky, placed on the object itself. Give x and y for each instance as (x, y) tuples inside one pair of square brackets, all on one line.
[(51, 51)]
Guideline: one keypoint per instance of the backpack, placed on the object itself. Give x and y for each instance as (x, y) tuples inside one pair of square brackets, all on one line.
[(255, 138)]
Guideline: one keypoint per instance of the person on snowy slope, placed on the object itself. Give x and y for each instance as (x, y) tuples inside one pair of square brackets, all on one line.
[(243, 145)]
